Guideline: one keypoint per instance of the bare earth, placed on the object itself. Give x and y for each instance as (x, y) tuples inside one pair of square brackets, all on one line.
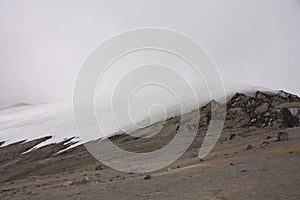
[(267, 169)]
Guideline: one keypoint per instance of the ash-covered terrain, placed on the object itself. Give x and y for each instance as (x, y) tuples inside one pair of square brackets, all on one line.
[(256, 157)]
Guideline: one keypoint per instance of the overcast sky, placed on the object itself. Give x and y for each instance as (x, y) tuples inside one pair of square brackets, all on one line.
[(44, 43)]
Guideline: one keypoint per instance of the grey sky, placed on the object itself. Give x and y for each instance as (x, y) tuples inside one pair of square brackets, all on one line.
[(43, 43)]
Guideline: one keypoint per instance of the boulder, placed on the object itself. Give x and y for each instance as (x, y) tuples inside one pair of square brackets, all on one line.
[(249, 147), (282, 136), (147, 177)]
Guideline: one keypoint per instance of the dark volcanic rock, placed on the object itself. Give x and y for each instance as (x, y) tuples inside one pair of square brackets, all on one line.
[(282, 136), (249, 147), (99, 167), (288, 119), (279, 116), (147, 177), (232, 136)]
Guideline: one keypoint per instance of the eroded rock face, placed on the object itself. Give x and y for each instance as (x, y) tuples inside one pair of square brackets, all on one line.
[(288, 119), (267, 109), (275, 117), (295, 111)]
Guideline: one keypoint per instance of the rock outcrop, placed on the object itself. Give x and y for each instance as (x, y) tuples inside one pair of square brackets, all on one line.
[(278, 110)]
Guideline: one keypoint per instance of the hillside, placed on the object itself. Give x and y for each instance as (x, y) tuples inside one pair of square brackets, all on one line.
[(256, 156)]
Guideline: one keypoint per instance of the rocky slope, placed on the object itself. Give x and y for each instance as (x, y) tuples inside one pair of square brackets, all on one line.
[(252, 127)]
